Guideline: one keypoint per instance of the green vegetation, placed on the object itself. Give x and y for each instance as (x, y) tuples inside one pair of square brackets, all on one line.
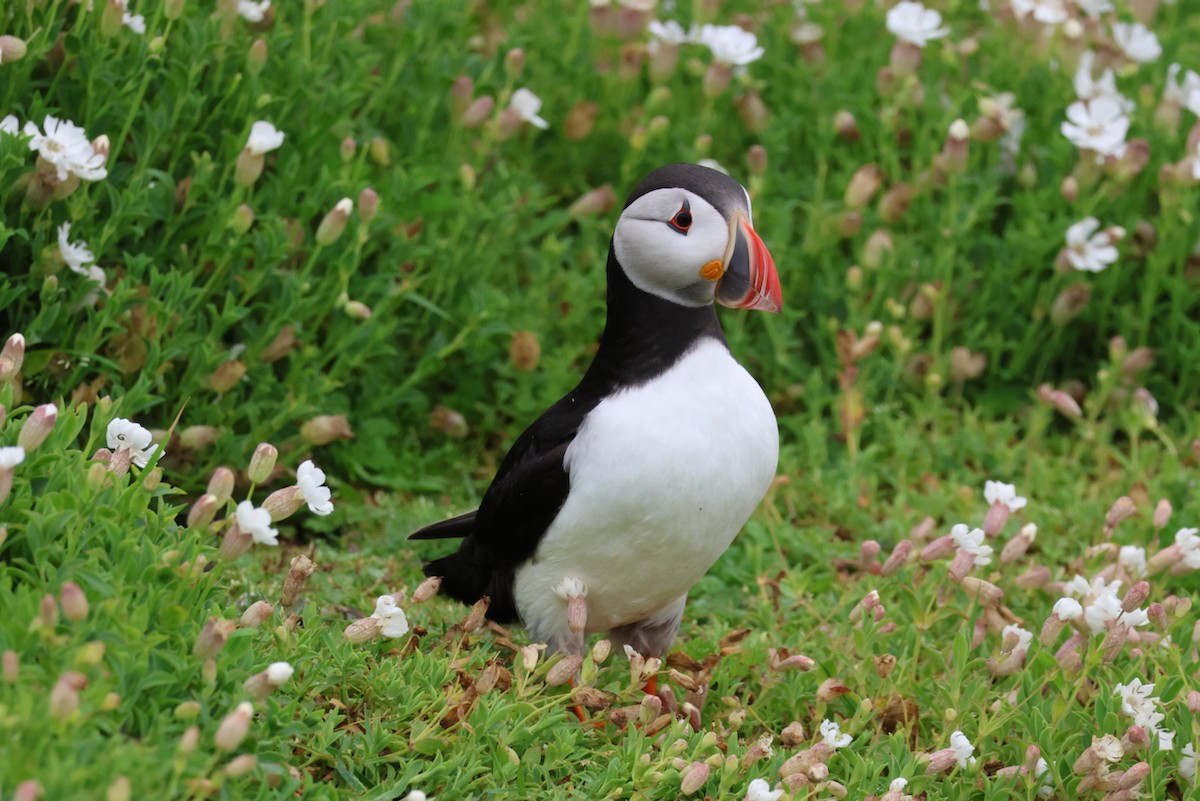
[(943, 329)]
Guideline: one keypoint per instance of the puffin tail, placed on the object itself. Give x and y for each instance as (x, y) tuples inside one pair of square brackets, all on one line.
[(468, 575), (455, 527)]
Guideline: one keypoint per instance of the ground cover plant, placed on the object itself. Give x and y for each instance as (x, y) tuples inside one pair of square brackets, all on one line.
[(372, 234)]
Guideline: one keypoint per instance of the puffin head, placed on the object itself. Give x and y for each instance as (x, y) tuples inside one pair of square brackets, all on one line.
[(685, 235)]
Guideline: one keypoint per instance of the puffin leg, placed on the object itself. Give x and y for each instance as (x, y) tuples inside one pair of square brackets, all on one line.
[(652, 635)]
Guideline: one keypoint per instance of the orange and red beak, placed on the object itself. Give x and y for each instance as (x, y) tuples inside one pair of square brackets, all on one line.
[(750, 280)]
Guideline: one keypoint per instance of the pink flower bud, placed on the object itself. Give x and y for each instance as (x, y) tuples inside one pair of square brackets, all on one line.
[(593, 203), (868, 556), (895, 202), (262, 463), (227, 375), (693, 778), (1136, 596), (564, 670), (240, 765), (985, 592), (248, 168), (257, 614), (997, 516), (213, 637), (941, 761), (12, 356), (898, 558), (283, 503), (846, 125), (220, 486), (202, 512), (48, 612), (28, 790), (1135, 739), (325, 428), (234, 543), (478, 112), (462, 92), (74, 602), (11, 667), (64, 696), (297, 576), (37, 427), (940, 548), (756, 160), (334, 223), (256, 57), (1121, 511), (427, 589), (361, 630), (12, 49), (1162, 514), (368, 205), (234, 727), (962, 564), (863, 185)]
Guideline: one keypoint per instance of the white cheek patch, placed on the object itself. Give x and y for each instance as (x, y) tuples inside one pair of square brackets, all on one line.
[(662, 261)]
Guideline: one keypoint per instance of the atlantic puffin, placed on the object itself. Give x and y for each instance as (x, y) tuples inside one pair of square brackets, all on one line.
[(625, 492)]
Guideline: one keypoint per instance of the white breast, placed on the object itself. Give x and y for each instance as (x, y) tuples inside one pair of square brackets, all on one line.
[(663, 476)]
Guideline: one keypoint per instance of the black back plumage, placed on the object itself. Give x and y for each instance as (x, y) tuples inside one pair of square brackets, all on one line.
[(644, 335)]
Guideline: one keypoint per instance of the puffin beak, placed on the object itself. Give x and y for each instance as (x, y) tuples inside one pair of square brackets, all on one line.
[(750, 280)]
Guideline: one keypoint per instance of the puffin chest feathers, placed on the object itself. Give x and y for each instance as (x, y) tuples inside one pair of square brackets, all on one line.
[(663, 475)]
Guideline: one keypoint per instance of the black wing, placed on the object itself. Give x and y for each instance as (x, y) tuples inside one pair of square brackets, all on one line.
[(521, 503)]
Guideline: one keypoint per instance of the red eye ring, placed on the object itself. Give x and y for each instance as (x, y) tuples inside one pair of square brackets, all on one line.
[(682, 220)]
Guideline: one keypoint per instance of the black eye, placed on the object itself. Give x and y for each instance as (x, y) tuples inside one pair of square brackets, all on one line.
[(682, 220)]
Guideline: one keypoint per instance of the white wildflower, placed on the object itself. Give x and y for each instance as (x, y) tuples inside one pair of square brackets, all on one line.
[(1166, 740), (310, 480), (760, 790), (670, 32), (1089, 88), (1049, 12), (11, 456), (65, 145), (391, 617), (252, 11), (832, 735), (971, 541), (913, 23), (257, 523), (527, 105), (279, 672), (1133, 559), (730, 44), (122, 433), (263, 138), (1067, 609), (10, 125), (1094, 8), (998, 492), (1138, 703), (1187, 763), (963, 750), (1042, 772), (1088, 250), (1189, 545), (1179, 92), (1101, 611), (1024, 637), (76, 254), (1099, 124), (1136, 41)]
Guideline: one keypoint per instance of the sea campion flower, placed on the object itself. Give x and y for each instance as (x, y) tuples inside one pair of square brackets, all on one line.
[(392, 621), (831, 735), (1099, 125), (257, 523), (65, 146), (264, 138), (252, 11), (1137, 42), (1133, 559), (669, 32), (963, 750), (730, 44), (77, 256), (527, 105), (971, 541), (1094, 8), (1089, 88), (1049, 12), (10, 457), (1187, 763), (1138, 703), (122, 433), (1089, 250), (10, 125), (760, 790), (913, 23), (310, 481)]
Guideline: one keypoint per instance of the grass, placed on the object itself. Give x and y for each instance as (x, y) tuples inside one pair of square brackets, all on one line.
[(924, 351)]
